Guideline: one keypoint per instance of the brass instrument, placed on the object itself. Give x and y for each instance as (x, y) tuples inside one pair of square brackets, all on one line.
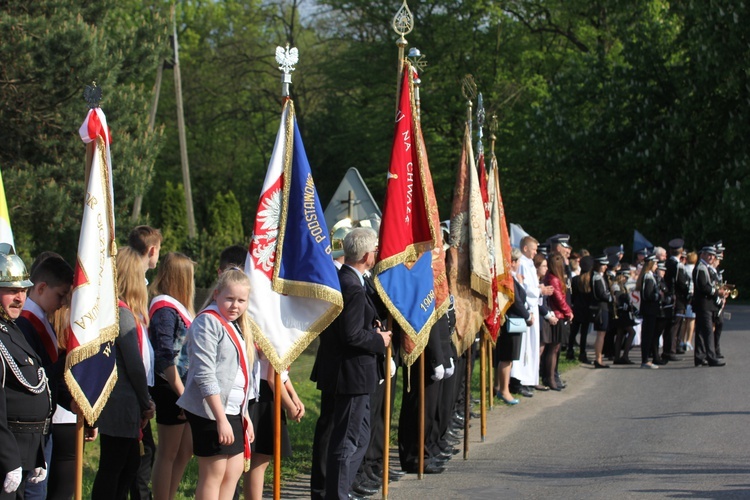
[(733, 292)]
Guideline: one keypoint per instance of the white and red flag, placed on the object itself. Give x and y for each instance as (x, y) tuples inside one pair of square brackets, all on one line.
[(295, 291), (90, 370), (502, 283)]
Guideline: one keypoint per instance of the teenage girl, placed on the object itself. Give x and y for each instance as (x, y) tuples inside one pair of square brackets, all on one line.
[(129, 407), (221, 380), (171, 312)]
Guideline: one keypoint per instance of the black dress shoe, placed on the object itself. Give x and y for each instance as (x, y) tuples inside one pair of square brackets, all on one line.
[(396, 474), (599, 365), (453, 434), (451, 441), (363, 490), (374, 477), (670, 357), (701, 362), (369, 482), (717, 363), (353, 496), (432, 468), (661, 361), (429, 468), (525, 392)]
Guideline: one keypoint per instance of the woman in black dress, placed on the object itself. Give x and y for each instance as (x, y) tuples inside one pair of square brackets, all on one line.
[(581, 296), (600, 299), (649, 290)]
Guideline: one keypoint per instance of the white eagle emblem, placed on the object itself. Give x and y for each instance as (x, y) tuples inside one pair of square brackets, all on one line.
[(287, 58)]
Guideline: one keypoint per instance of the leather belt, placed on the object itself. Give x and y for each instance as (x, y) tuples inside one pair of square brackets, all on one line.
[(42, 427)]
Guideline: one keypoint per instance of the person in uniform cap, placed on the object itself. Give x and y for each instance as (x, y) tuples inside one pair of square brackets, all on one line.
[(338, 233), (663, 321), (560, 243), (616, 250), (678, 288), (718, 275), (543, 249), (705, 297), (25, 399), (613, 265), (600, 300), (647, 287), (625, 318), (640, 258)]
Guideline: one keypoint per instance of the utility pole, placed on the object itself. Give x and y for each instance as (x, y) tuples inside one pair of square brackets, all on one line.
[(181, 131)]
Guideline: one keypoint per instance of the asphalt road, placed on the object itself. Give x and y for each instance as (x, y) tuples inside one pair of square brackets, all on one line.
[(676, 432)]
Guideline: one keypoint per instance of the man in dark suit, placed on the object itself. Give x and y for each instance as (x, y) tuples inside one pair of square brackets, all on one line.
[(705, 305), (24, 395), (347, 364)]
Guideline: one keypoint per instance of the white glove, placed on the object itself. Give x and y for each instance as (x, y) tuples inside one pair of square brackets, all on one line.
[(439, 373), (449, 371), (12, 481), (37, 475), (393, 368)]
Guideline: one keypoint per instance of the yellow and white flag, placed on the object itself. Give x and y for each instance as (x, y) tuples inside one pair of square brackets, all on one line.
[(6, 233)]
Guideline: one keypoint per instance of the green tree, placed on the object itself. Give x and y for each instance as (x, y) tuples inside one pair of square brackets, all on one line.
[(48, 51), (173, 218), (224, 229)]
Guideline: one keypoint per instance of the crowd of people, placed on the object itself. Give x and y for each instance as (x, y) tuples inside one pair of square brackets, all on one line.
[(662, 301), (211, 390)]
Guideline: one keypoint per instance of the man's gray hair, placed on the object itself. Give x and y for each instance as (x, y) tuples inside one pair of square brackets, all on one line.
[(358, 242), (660, 252)]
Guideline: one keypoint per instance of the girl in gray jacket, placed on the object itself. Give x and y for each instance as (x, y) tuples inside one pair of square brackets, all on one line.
[(221, 380)]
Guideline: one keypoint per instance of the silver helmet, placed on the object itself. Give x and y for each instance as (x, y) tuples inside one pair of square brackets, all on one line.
[(13, 272)]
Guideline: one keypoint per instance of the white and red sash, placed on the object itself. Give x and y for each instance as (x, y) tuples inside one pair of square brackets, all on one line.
[(168, 301), (34, 314), (239, 344), (144, 346)]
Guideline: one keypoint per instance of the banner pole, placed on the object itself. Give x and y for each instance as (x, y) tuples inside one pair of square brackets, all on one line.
[(467, 403), (491, 374), (483, 386), (387, 419), (420, 469), (79, 457), (276, 435)]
